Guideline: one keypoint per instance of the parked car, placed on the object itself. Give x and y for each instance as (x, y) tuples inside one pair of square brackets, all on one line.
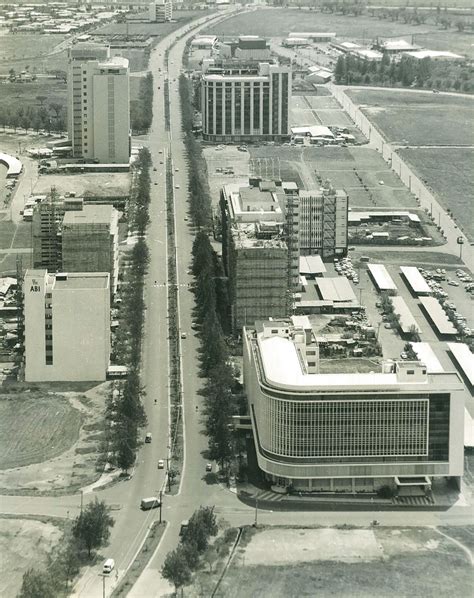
[(148, 437), (161, 464)]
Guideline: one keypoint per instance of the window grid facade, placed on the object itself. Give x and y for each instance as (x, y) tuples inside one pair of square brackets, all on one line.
[(345, 428)]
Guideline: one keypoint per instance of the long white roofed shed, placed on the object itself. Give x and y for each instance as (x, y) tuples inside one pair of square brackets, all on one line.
[(381, 277), (415, 280)]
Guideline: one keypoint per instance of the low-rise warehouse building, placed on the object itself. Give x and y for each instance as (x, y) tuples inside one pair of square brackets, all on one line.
[(407, 323), (381, 278), (425, 354), (415, 281), (436, 315)]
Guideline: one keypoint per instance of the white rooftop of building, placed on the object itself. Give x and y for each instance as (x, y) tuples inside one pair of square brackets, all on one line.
[(382, 278), (407, 321), (313, 131), (437, 315), (415, 280), (311, 264), (397, 45), (465, 359), (420, 54), (425, 353), (358, 216), (282, 368), (337, 290)]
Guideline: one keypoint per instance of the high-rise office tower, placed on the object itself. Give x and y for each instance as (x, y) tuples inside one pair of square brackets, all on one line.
[(98, 105)]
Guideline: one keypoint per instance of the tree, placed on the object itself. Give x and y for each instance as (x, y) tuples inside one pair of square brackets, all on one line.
[(201, 526), (176, 569), (172, 475), (37, 584), (92, 528)]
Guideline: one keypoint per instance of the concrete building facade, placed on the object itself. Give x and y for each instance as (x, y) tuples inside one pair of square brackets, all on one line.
[(76, 238), (323, 216), (245, 100), (67, 326), (400, 427), (160, 11), (98, 105), (260, 249)]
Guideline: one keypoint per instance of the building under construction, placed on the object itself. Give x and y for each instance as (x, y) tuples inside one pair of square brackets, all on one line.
[(260, 249), (71, 237)]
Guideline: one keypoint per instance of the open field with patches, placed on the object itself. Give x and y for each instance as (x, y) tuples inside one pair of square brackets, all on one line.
[(24, 543), (450, 174), (342, 166), (27, 94), (50, 439), (156, 29), (418, 118), (348, 562), (280, 22), (35, 429), (36, 50)]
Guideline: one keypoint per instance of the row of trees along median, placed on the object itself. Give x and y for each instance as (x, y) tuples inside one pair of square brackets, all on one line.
[(141, 109), (222, 392), (180, 563), (125, 411), (87, 533)]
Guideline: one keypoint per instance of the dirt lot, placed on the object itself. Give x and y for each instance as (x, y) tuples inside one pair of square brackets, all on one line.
[(450, 174), (418, 118), (49, 441), (24, 543), (348, 562), (116, 184)]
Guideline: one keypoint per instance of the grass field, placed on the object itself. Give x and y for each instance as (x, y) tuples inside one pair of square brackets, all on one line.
[(19, 51), (414, 118), (34, 429), (11, 94), (358, 563), (341, 166), (450, 174), (12, 235), (279, 23), (24, 543)]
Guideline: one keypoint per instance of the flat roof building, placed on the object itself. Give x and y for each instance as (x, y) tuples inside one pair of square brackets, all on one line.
[(407, 322), (342, 431), (437, 316), (245, 100), (98, 105), (381, 278), (160, 11), (67, 326), (415, 281)]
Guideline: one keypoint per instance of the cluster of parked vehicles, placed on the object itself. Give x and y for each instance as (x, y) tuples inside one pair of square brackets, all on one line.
[(344, 267)]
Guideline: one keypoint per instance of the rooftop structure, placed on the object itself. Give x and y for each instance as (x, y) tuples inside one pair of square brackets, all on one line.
[(381, 277), (337, 290), (311, 265), (434, 54), (394, 46), (464, 359), (415, 281), (437, 316), (314, 131), (407, 322), (425, 354), (205, 42), (67, 326), (246, 47), (382, 215), (396, 427), (314, 36)]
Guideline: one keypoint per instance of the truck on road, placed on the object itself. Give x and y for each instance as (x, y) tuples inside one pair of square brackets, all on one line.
[(151, 502)]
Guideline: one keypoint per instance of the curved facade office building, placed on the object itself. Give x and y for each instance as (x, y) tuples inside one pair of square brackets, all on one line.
[(345, 431)]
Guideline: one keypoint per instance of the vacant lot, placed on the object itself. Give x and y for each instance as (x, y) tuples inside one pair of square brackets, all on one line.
[(24, 543), (154, 29), (449, 172), (12, 235), (36, 51), (49, 441), (279, 23), (42, 92), (359, 562), (35, 429), (418, 118), (115, 184), (343, 167)]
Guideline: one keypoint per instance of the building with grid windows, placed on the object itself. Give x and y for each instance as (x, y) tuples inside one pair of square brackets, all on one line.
[(98, 105), (245, 100), (160, 11), (313, 431), (67, 326), (260, 249), (323, 218)]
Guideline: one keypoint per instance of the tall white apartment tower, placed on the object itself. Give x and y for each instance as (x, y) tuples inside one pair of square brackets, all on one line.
[(160, 11), (67, 326), (98, 105)]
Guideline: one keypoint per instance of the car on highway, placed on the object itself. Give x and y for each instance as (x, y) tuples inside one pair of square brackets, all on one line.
[(108, 566), (155, 169), (176, 169), (208, 466), (176, 187), (184, 335), (148, 437), (161, 464)]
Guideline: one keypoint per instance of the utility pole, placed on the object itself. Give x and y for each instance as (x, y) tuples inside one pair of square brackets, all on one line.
[(161, 501), (82, 500), (256, 513)]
